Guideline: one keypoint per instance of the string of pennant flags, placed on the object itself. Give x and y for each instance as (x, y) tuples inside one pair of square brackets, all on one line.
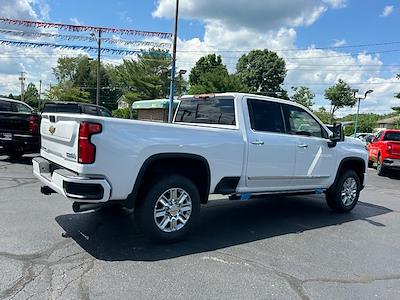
[(89, 38), (72, 47), (85, 38), (83, 28)]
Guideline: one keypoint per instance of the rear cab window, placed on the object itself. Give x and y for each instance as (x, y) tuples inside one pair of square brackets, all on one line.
[(22, 108), (392, 136), (207, 110), (61, 108)]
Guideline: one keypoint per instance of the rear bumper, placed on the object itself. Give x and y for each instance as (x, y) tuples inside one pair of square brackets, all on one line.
[(92, 189), (28, 143), (391, 163)]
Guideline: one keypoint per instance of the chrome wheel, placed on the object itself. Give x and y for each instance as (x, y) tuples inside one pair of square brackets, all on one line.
[(172, 210), (349, 191)]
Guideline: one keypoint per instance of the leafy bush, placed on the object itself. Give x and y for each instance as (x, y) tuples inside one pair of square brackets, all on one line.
[(122, 113)]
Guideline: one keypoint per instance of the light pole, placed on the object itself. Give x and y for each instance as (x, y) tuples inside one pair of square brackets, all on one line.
[(355, 91), (181, 73), (172, 89)]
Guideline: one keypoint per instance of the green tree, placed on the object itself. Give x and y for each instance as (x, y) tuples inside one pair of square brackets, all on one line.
[(340, 95), (131, 97), (68, 92), (303, 95), (366, 123), (31, 95), (397, 108), (80, 73), (323, 115), (263, 71), (148, 76), (210, 75)]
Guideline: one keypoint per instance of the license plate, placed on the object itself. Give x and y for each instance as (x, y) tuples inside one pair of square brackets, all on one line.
[(6, 136)]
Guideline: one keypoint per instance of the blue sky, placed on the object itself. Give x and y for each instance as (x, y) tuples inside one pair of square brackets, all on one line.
[(219, 25)]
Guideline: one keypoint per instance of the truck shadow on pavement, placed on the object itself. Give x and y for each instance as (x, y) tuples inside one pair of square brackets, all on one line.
[(24, 160), (113, 235)]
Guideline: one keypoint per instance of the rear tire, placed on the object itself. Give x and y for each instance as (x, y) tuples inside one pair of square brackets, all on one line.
[(169, 209), (344, 196), (380, 168)]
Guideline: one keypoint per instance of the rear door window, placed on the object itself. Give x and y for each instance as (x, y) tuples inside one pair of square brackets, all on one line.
[(5, 106), (207, 111), (265, 116)]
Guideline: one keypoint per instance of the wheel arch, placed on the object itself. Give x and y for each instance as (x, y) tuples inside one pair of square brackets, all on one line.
[(168, 163), (351, 163)]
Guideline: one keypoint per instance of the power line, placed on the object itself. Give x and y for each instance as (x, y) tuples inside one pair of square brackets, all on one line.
[(299, 49), (310, 57)]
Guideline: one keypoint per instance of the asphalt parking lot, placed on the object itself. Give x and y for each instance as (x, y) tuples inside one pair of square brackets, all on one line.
[(278, 248)]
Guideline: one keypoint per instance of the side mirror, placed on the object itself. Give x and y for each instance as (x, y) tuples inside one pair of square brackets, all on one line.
[(337, 135)]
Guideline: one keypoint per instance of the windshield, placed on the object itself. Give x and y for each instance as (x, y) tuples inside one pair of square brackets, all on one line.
[(207, 111), (392, 136)]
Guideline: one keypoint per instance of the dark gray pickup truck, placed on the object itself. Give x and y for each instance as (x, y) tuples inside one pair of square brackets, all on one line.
[(19, 128)]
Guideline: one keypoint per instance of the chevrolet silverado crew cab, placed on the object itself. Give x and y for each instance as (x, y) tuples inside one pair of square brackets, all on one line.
[(232, 144)]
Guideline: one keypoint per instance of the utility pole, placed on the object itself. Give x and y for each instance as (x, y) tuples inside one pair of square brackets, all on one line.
[(172, 89), (22, 79), (98, 69), (40, 93)]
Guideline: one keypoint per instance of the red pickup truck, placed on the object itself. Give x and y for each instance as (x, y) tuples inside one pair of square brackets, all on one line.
[(384, 150)]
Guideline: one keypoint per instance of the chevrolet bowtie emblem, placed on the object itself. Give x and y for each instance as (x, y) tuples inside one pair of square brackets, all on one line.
[(52, 129)]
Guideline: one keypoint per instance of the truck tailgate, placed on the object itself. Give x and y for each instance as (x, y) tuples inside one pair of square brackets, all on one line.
[(60, 139)]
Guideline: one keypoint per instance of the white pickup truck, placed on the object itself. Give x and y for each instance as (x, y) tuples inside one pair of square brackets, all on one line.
[(232, 144)]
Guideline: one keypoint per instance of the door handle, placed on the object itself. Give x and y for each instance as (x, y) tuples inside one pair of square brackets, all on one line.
[(258, 143), (303, 146)]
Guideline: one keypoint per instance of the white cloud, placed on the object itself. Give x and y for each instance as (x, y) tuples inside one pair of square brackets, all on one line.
[(387, 11), (123, 15), (259, 15), (21, 9), (339, 43), (75, 21), (363, 71), (42, 7), (336, 3), (36, 62)]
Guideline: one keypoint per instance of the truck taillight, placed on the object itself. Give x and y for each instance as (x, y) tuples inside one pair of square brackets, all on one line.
[(33, 122), (86, 150), (389, 148)]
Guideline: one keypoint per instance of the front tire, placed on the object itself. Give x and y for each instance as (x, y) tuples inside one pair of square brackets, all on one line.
[(169, 209), (344, 196)]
